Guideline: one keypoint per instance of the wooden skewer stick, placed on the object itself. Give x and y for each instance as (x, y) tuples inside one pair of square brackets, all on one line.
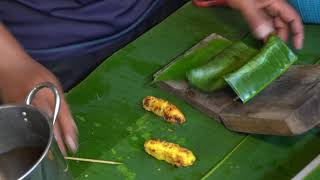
[(91, 160)]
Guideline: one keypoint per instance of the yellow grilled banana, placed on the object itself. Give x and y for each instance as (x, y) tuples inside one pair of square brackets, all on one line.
[(169, 152), (163, 109)]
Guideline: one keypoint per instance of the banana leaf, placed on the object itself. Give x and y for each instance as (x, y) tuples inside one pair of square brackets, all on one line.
[(209, 77), (196, 57), (272, 61), (113, 125)]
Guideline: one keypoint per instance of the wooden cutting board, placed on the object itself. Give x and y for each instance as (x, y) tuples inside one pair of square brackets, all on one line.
[(289, 106)]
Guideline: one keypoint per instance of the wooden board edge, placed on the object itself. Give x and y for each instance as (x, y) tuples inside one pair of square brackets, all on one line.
[(312, 105)]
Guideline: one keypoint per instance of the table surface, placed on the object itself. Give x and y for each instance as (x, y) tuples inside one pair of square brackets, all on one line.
[(113, 125)]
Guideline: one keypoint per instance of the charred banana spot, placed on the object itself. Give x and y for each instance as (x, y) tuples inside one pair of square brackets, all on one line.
[(166, 116), (178, 119), (146, 101)]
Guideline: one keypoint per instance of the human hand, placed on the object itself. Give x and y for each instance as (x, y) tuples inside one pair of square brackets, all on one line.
[(267, 16), (15, 84)]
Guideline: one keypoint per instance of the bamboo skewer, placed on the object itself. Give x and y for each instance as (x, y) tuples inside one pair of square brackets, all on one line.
[(91, 160)]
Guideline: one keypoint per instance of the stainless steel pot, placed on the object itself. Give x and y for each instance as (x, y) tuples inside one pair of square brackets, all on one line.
[(28, 149)]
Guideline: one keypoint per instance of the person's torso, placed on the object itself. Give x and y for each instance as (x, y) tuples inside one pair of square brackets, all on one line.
[(43, 24)]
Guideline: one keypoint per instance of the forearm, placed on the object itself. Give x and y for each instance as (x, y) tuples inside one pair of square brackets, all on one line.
[(12, 55), (19, 73)]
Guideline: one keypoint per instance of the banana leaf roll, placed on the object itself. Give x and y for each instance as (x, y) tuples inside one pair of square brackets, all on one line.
[(272, 61), (196, 57), (210, 77)]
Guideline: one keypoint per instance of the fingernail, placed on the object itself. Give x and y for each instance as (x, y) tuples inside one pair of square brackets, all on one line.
[(64, 153), (263, 31), (61, 146), (299, 45), (74, 125), (72, 145)]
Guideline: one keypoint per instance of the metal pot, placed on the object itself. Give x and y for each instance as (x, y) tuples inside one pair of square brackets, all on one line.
[(28, 149)]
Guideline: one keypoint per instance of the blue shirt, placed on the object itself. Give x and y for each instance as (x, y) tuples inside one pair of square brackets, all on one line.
[(60, 28), (64, 27)]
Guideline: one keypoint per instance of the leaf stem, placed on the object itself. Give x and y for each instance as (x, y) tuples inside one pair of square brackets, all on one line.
[(213, 169)]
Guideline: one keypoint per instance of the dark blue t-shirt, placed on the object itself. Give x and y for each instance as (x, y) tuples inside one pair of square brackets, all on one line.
[(51, 27)]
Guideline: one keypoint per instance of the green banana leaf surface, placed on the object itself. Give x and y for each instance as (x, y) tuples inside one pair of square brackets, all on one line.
[(272, 61), (113, 125), (309, 54), (210, 77)]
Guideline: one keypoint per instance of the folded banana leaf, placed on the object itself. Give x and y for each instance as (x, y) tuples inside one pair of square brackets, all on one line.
[(272, 61), (209, 77), (197, 57)]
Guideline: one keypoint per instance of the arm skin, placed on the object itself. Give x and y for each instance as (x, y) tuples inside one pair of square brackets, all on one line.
[(19, 73)]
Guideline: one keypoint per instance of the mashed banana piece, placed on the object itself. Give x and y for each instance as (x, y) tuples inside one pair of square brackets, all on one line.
[(163, 109), (169, 152)]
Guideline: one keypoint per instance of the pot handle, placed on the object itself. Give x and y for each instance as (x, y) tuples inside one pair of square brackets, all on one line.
[(54, 90)]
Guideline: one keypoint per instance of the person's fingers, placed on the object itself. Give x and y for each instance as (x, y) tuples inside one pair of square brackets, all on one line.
[(282, 28), (65, 129), (59, 139), (264, 3), (260, 23), (68, 127), (42, 101), (291, 17)]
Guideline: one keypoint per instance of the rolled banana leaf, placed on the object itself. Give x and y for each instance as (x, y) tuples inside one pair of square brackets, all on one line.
[(210, 77), (272, 61), (196, 57)]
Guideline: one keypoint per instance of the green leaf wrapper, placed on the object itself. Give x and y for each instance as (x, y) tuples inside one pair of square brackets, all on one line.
[(197, 57), (209, 77), (272, 61)]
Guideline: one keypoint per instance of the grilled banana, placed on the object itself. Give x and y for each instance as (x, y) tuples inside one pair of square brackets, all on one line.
[(169, 152), (163, 109)]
